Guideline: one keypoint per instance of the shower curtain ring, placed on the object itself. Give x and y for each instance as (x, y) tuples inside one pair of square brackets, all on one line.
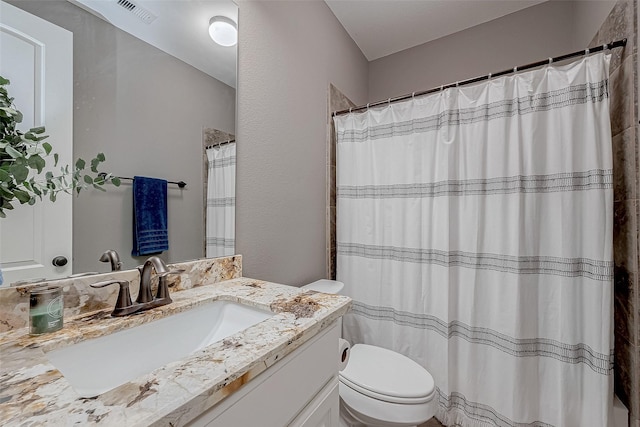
[(367, 106), (515, 69), (550, 60), (413, 95), (389, 101), (605, 46), (350, 108), (586, 51), (489, 76)]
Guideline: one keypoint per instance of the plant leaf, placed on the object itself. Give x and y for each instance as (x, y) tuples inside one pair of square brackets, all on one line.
[(6, 195), (94, 165), (22, 196), (88, 179), (80, 164), (36, 162), (19, 172), (115, 181), (13, 152), (101, 157), (55, 159), (99, 180), (47, 147)]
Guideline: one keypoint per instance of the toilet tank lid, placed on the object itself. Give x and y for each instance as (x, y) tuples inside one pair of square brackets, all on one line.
[(325, 286)]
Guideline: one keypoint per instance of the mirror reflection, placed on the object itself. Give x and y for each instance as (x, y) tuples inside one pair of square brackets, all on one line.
[(152, 91)]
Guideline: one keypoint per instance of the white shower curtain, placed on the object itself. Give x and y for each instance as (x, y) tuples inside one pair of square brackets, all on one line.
[(474, 233), (221, 200)]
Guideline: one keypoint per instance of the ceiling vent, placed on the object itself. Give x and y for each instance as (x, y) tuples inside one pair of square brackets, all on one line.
[(143, 14)]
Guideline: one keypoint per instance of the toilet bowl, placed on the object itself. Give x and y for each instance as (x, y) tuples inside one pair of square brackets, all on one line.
[(380, 387)]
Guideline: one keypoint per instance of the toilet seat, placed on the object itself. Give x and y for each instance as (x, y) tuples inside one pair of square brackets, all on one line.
[(384, 397), (387, 376)]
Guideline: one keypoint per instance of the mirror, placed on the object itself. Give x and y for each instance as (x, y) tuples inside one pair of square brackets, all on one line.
[(150, 95)]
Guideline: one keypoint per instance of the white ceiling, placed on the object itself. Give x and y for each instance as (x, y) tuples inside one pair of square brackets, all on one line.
[(383, 27), (379, 27), (181, 29)]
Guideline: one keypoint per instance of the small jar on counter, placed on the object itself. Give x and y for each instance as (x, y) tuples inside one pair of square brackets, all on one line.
[(45, 310)]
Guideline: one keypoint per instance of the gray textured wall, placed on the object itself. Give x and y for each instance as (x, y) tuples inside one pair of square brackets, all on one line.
[(289, 52), (146, 111), (549, 29)]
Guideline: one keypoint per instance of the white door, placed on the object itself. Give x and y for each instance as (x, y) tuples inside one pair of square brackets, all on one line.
[(37, 57)]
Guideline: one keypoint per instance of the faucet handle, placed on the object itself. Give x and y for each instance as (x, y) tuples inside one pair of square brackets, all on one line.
[(163, 286), (123, 303)]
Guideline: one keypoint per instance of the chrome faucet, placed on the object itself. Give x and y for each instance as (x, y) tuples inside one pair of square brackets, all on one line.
[(112, 257), (145, 301)]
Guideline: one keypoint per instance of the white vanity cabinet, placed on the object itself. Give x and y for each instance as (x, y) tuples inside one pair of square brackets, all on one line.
[(322, 411), (301, 390)]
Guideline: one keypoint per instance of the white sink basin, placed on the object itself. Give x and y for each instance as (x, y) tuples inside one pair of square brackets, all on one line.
[(98, 365)]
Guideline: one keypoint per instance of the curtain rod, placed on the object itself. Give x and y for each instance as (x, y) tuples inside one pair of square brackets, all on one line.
[(613, 45), (206, 147)]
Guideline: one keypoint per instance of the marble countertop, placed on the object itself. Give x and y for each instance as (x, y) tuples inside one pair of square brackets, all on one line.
[(33, 392)]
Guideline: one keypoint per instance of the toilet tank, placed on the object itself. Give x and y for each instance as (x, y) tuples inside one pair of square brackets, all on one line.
[(326, 286)]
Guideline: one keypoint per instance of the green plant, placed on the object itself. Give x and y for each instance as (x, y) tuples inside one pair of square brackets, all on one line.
[(23, 158)]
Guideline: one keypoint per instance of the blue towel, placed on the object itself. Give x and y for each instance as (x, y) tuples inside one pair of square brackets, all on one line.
[(150, 234)]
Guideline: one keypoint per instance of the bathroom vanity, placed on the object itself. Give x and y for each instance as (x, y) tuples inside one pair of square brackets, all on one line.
[(300, 391), (280, 371)]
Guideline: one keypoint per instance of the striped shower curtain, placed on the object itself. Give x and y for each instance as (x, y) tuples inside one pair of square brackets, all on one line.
[(221, 200), (474, 234)]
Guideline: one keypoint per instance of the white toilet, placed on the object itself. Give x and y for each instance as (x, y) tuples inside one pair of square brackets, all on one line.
[(380, 387)]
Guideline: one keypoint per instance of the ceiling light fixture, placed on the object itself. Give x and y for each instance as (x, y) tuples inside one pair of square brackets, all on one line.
[(223, 31)]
